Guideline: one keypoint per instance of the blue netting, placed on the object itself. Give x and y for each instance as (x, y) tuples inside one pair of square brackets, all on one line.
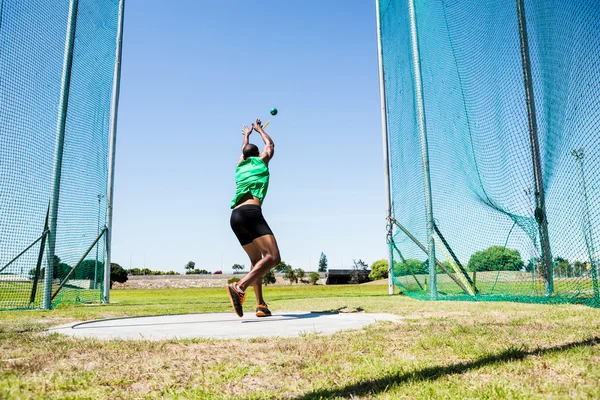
[(479, 147), (32, 47)]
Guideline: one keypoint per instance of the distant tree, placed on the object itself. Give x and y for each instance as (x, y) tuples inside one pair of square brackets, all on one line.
[(410, 266), (323, 263), (578, 268), (562, 267), (60, 270), (190, 266), (314, 277), (117, 274), (237, 267), (172, 273), (89, 269), (379, 270), (146, 271), (360, 264), (134, 271), (290, 275), (197, 272), (359, 275), (496, 258), (300, 273), (281, 267), (269, 278)]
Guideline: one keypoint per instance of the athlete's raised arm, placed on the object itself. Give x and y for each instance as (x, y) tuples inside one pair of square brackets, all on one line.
[(246, 132), (269, 149)]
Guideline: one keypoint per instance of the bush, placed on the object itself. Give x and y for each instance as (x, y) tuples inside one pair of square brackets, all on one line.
[(269, 278), (117, 274), (314, 277), (197, 272), (379, 270), (411, 265), (289, 274), (234, 279), (281, 267), (496, 258)]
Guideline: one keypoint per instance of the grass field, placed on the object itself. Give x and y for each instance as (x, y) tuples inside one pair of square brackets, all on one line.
[(439, 350)]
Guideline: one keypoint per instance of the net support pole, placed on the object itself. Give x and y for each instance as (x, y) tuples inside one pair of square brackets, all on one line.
[(587, 224), (63, 106), (540, 202), (386, 150), (112, 147), (420, 109)]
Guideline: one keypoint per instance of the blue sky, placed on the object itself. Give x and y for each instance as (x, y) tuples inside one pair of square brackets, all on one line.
[(193, 73)]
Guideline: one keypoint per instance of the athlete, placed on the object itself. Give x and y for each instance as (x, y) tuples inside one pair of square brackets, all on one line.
[(247, 221)]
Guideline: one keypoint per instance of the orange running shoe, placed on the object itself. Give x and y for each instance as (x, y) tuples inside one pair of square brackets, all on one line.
[(237, 298), (262, 311)]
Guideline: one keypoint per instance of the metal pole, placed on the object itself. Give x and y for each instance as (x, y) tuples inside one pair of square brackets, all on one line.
[(587, 225), (58, 150), (97, 230), (386, 149), (114, 110), (420, 106), (540, 202)]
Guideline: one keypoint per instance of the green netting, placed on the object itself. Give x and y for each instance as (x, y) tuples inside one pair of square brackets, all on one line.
[(32, 49), (480, 153)]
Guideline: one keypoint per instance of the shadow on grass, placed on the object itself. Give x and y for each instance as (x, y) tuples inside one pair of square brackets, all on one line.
[(375, 386)]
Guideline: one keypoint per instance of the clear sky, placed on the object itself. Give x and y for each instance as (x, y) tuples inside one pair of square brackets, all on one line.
[(193, 73)]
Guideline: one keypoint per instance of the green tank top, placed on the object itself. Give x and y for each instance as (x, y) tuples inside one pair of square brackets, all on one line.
[(251, 176)]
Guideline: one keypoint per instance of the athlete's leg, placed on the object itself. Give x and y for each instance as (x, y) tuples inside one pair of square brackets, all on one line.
[(270, 258), (253, 252)]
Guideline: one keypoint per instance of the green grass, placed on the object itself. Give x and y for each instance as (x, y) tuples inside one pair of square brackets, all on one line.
[(440, 350)]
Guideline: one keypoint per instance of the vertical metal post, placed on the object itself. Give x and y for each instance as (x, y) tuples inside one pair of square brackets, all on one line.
[(95, 285), (540, 202), (386, 149), (114, 111), (420, 106), (58, 150), (587, 225)]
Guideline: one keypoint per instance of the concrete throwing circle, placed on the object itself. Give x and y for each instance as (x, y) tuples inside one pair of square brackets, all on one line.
[(219, 325)]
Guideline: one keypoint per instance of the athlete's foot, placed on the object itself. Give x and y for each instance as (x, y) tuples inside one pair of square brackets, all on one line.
[(237, 298), (262, 310)]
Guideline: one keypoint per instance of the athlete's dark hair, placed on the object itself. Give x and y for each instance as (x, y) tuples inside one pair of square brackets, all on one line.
[(250, 150)]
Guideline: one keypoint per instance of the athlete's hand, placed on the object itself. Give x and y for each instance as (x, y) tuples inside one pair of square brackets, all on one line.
[(247, 131), (257, 126)]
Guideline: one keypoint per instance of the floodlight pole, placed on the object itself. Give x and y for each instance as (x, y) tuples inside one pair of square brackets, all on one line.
[(114, 111), (386, 150), (540, 202), (420, 108), (63, 106)]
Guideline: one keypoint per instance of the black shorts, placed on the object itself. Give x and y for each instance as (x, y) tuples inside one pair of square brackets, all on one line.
[(248, 223)]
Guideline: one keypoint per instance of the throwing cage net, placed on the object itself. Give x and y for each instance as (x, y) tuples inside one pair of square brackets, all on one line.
[(37, 92), (507, 96)]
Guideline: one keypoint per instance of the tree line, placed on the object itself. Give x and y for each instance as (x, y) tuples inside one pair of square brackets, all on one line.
[(494, 258)]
